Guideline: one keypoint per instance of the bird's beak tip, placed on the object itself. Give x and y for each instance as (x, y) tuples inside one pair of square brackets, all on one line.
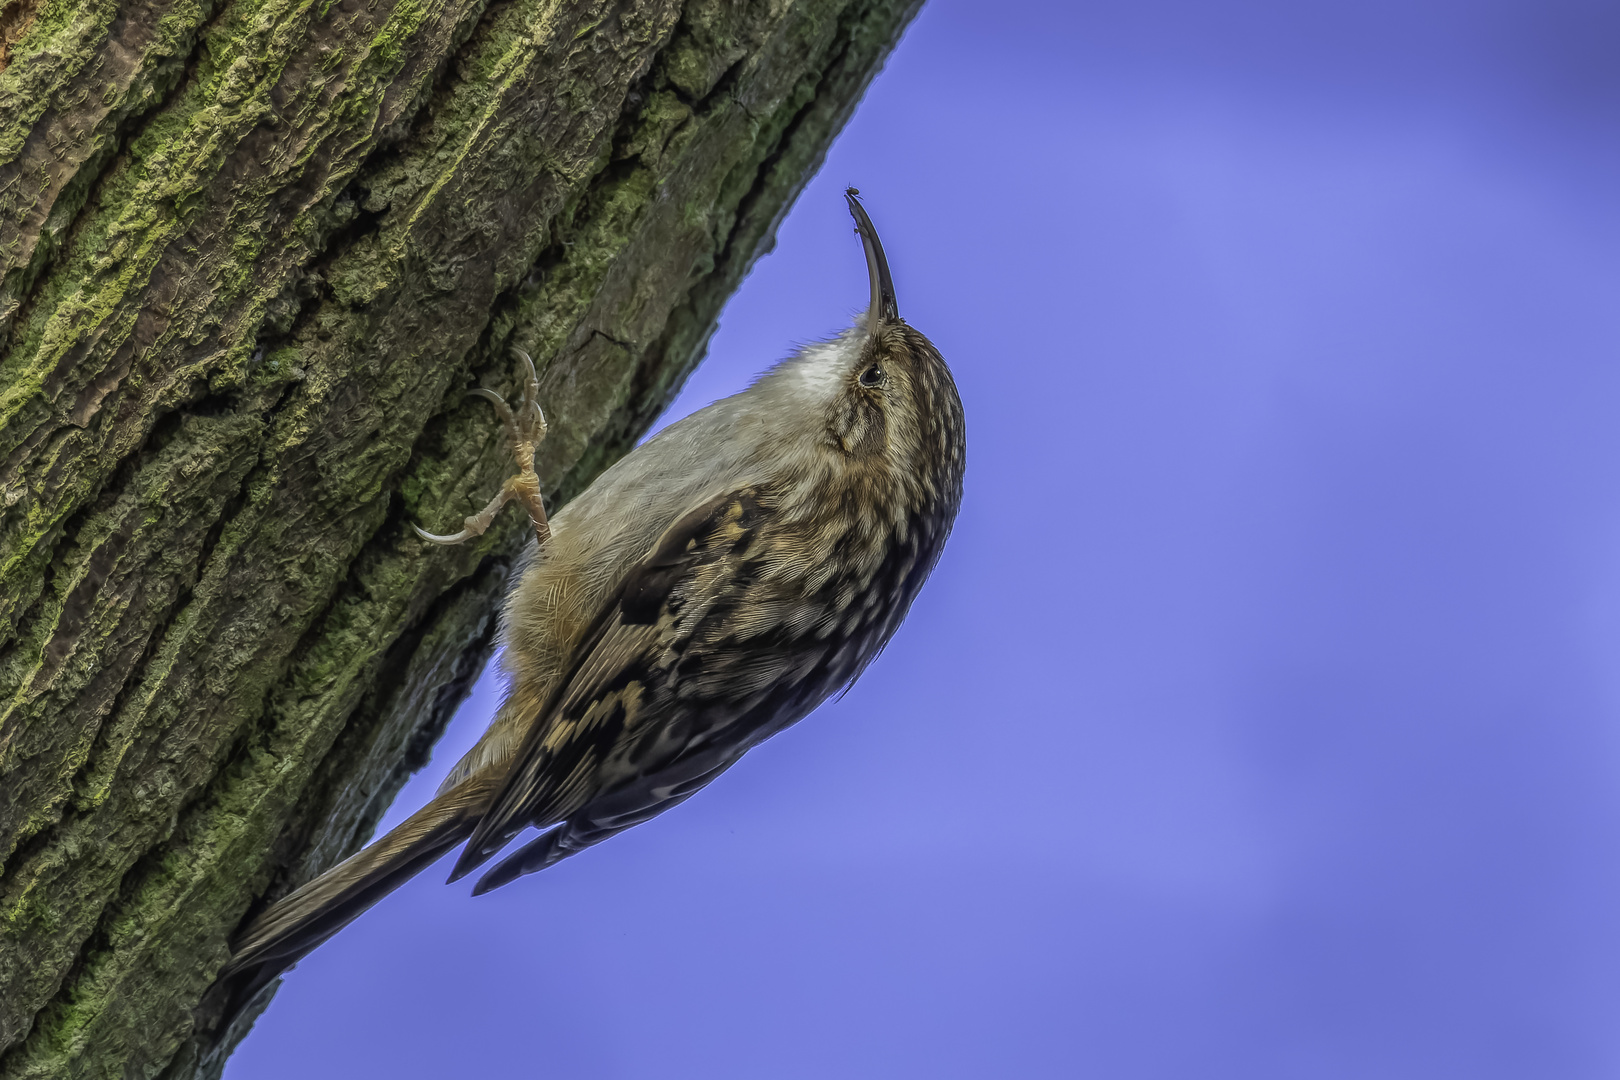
[(883, 307)]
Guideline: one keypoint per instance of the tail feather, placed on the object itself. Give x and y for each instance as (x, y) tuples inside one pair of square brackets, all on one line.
[(293, 926)]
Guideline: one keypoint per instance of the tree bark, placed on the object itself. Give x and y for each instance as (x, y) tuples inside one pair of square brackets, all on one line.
[(252, 254)]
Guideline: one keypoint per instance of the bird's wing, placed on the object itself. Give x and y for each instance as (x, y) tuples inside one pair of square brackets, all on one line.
[(620, 662)]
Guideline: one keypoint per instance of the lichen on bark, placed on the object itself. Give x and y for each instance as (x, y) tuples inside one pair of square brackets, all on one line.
[(252, 254)]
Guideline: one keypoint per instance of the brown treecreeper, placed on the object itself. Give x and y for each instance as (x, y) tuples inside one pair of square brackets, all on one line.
[(711, 588)]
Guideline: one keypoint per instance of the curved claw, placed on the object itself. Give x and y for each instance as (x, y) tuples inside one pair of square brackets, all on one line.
[(528, 362), (475, 525), (502, 409), (456, 538), (532, 422)]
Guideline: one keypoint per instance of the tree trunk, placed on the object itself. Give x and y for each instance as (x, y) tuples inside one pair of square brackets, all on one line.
[(252, 254)]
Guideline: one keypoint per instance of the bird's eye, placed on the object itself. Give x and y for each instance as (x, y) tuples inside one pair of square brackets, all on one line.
[(872, 376)]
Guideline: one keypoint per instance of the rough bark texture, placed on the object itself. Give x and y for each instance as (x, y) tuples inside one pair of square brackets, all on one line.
[(252, 253)]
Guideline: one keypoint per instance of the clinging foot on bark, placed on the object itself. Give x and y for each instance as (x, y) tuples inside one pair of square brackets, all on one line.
[(525, 430)]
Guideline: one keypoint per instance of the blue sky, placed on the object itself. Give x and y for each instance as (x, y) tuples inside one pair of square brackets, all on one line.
[(1263, 717)]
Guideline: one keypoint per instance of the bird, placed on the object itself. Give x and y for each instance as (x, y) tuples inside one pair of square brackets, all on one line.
[(708, 590)]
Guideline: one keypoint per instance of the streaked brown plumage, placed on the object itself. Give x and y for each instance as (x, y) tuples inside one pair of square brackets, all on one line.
[(707, 591)]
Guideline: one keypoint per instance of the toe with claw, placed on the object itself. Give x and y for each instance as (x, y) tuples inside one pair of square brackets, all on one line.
[(525, 428)]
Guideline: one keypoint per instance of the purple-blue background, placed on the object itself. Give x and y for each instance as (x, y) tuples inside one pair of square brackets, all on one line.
[(1263, 718)]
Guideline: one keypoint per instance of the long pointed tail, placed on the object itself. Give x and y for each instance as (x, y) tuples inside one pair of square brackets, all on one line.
[(292, 927)]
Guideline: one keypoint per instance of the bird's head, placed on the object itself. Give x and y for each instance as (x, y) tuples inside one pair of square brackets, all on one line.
[(875, 406), (895, 403)]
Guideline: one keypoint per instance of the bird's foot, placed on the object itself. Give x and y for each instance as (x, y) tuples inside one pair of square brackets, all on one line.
[(525, 428)]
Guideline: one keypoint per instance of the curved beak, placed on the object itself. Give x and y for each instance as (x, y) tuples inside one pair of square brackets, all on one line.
[(883, 306)]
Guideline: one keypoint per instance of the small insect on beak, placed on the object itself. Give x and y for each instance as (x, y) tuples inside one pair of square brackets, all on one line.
[(883, 307)]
